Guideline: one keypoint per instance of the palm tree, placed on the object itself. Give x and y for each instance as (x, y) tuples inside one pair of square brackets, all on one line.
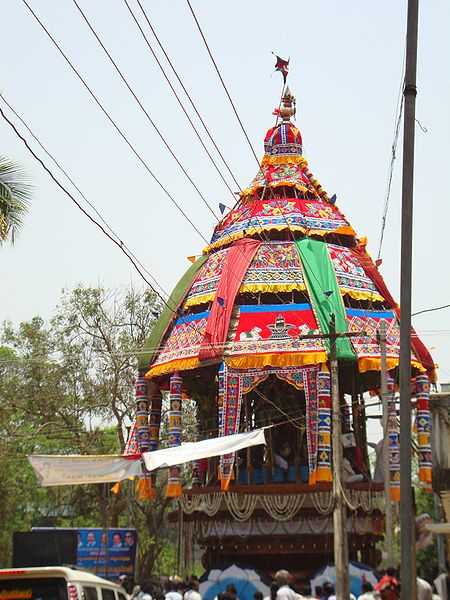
[(15, 194)]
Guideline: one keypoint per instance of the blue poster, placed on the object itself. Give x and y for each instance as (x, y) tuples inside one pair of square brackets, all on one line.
[(107, 553)]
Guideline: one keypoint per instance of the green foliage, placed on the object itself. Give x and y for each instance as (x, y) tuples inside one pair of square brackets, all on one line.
[(15, 194), (68, 387)]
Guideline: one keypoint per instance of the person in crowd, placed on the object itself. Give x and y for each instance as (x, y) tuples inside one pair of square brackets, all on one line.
[(327, 590), (146, 592), (424, 589), (192, 592), (231, 591), (368, 592), (318, 592), (388, 586), (173, 586), (273, 591), (442, 585), (285, 592), (258, 596), (282, 455)]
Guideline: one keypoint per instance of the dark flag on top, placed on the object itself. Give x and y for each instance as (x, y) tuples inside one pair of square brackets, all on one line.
[(282, 66)]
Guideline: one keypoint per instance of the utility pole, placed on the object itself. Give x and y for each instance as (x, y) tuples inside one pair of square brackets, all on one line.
[(407, 541), (385, 448), (340, 509)]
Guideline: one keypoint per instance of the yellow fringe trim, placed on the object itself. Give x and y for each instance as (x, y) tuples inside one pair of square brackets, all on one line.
[(374, 364), (395, 494), (183, 364), (312, 479), (344, 230), (174, 490), (224, 485), (284, 160), (271, 288), (199, 300), (324, 474), (251, 287), (425, 475), (302, 187), (361, 295), (145, 489), (276, 360), (116, 487)]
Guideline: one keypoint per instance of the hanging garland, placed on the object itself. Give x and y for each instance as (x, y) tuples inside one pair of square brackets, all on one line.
[(323, 502), (244, 511), (283, 508), (325, 523), (211, 503), (266, 527)]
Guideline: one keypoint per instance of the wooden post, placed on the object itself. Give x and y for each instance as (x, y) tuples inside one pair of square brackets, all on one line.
[(249, 450), (407, 541), (385, 448), (340, 510)]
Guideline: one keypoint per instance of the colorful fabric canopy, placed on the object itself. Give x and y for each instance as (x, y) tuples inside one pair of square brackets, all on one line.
[(309, 216), (174, 302), (324, 292)]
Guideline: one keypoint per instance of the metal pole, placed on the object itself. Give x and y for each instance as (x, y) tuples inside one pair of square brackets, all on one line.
[(407, 540), (340, 510), (385, 447)]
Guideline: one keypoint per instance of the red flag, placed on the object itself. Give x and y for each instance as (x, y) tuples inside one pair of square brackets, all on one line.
[(282, 66)]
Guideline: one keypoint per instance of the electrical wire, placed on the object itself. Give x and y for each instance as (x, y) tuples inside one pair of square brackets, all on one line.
[(185, 91), (62, 170), (222, 81), (113, 123), (142, 107), (117, 128), (425, 310), (399, 111), (75, 201), (95, 222)]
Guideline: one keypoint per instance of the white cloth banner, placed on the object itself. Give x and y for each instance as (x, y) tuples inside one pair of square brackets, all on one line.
[(71, 470), (204, 449)]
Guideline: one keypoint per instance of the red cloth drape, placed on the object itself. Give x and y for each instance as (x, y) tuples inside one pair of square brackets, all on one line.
[(419, 349), (239, 257)]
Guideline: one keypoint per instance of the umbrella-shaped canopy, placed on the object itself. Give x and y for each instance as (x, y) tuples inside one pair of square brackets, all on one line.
[(358, 574), (246, 579), (278, 264)]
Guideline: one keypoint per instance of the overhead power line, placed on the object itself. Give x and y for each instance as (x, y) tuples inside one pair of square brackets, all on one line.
[(142, 107), (430, 310), (222, 81), (118, 243), (113, 123), (62, 170), (398, 119), (185, 91)]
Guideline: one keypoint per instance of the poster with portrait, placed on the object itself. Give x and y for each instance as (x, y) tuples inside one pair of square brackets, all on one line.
[(107, 552)]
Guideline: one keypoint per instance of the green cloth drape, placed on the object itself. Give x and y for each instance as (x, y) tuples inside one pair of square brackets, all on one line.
[(173, 303), (324, 292)]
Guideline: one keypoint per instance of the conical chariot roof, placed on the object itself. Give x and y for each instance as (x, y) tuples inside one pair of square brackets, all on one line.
[(278, 264)]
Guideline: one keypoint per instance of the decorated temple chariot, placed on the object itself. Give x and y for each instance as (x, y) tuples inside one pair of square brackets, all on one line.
[(246, 336)]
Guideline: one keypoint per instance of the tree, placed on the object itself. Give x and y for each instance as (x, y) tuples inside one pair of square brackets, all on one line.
[(68, 387), (15, 194)]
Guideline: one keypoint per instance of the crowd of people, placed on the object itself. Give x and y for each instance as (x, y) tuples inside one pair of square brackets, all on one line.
[(282, 588)]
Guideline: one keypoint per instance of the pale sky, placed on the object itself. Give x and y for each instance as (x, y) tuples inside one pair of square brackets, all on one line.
[(345, 70)]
